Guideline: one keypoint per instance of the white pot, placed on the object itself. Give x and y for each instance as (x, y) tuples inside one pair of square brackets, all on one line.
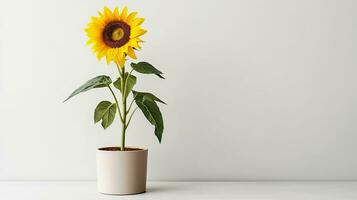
[(121, 172)]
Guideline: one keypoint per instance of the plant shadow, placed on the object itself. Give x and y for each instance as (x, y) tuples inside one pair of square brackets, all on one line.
[(160, 189)]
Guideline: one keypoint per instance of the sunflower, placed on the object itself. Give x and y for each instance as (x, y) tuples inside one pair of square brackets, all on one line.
[(115, 35)]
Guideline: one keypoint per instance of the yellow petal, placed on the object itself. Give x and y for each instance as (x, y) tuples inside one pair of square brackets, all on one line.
[(97, 21), (100, 54), (120, 58), (116, 13), (124, 13), (99, 47), (109, 56), (96, 26), (134, 43), (138, 21), (138, 33), (122, 61), (131, 17), (131, 53), (100, 14), (93, 34), (107, 12), (118, 53), (90, 41)]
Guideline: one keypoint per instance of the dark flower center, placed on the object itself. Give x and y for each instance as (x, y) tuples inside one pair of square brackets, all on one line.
[(116, 34)]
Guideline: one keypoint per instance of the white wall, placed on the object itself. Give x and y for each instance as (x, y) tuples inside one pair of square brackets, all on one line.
[(256, 90)]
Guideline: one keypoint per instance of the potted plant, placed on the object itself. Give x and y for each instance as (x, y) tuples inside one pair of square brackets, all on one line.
[(116, 36)]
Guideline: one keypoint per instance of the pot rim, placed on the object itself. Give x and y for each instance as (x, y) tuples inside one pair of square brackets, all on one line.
[(138, 149)]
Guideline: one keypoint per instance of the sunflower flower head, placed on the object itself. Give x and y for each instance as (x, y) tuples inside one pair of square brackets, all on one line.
[(115, 35)]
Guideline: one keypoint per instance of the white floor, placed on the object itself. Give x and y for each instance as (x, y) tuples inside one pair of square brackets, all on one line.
[(184, 191)]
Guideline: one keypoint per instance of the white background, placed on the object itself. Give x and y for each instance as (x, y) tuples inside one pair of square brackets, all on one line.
[(256, 90)]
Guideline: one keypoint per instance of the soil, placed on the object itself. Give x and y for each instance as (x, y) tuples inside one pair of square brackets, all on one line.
[(118, 149)]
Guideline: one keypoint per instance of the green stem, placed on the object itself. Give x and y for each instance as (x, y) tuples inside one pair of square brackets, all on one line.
[(123, 116), (123, 88), (126, 82), (131, 117), (131, 103), (116, 101)]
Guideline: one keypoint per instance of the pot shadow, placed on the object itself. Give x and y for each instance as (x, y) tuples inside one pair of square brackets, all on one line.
[(160, 189)]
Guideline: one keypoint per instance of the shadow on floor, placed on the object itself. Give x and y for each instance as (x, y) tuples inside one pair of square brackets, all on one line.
[(159, 189)]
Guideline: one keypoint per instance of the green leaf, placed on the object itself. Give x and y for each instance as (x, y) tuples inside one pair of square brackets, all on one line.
[(130, 83), (146, 112), (152, 114), (157, 116), (146, 68), (141, 95), (97, 82), (105, 111)]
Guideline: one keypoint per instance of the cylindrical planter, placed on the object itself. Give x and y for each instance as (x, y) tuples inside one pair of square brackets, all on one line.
[(121, 172)]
